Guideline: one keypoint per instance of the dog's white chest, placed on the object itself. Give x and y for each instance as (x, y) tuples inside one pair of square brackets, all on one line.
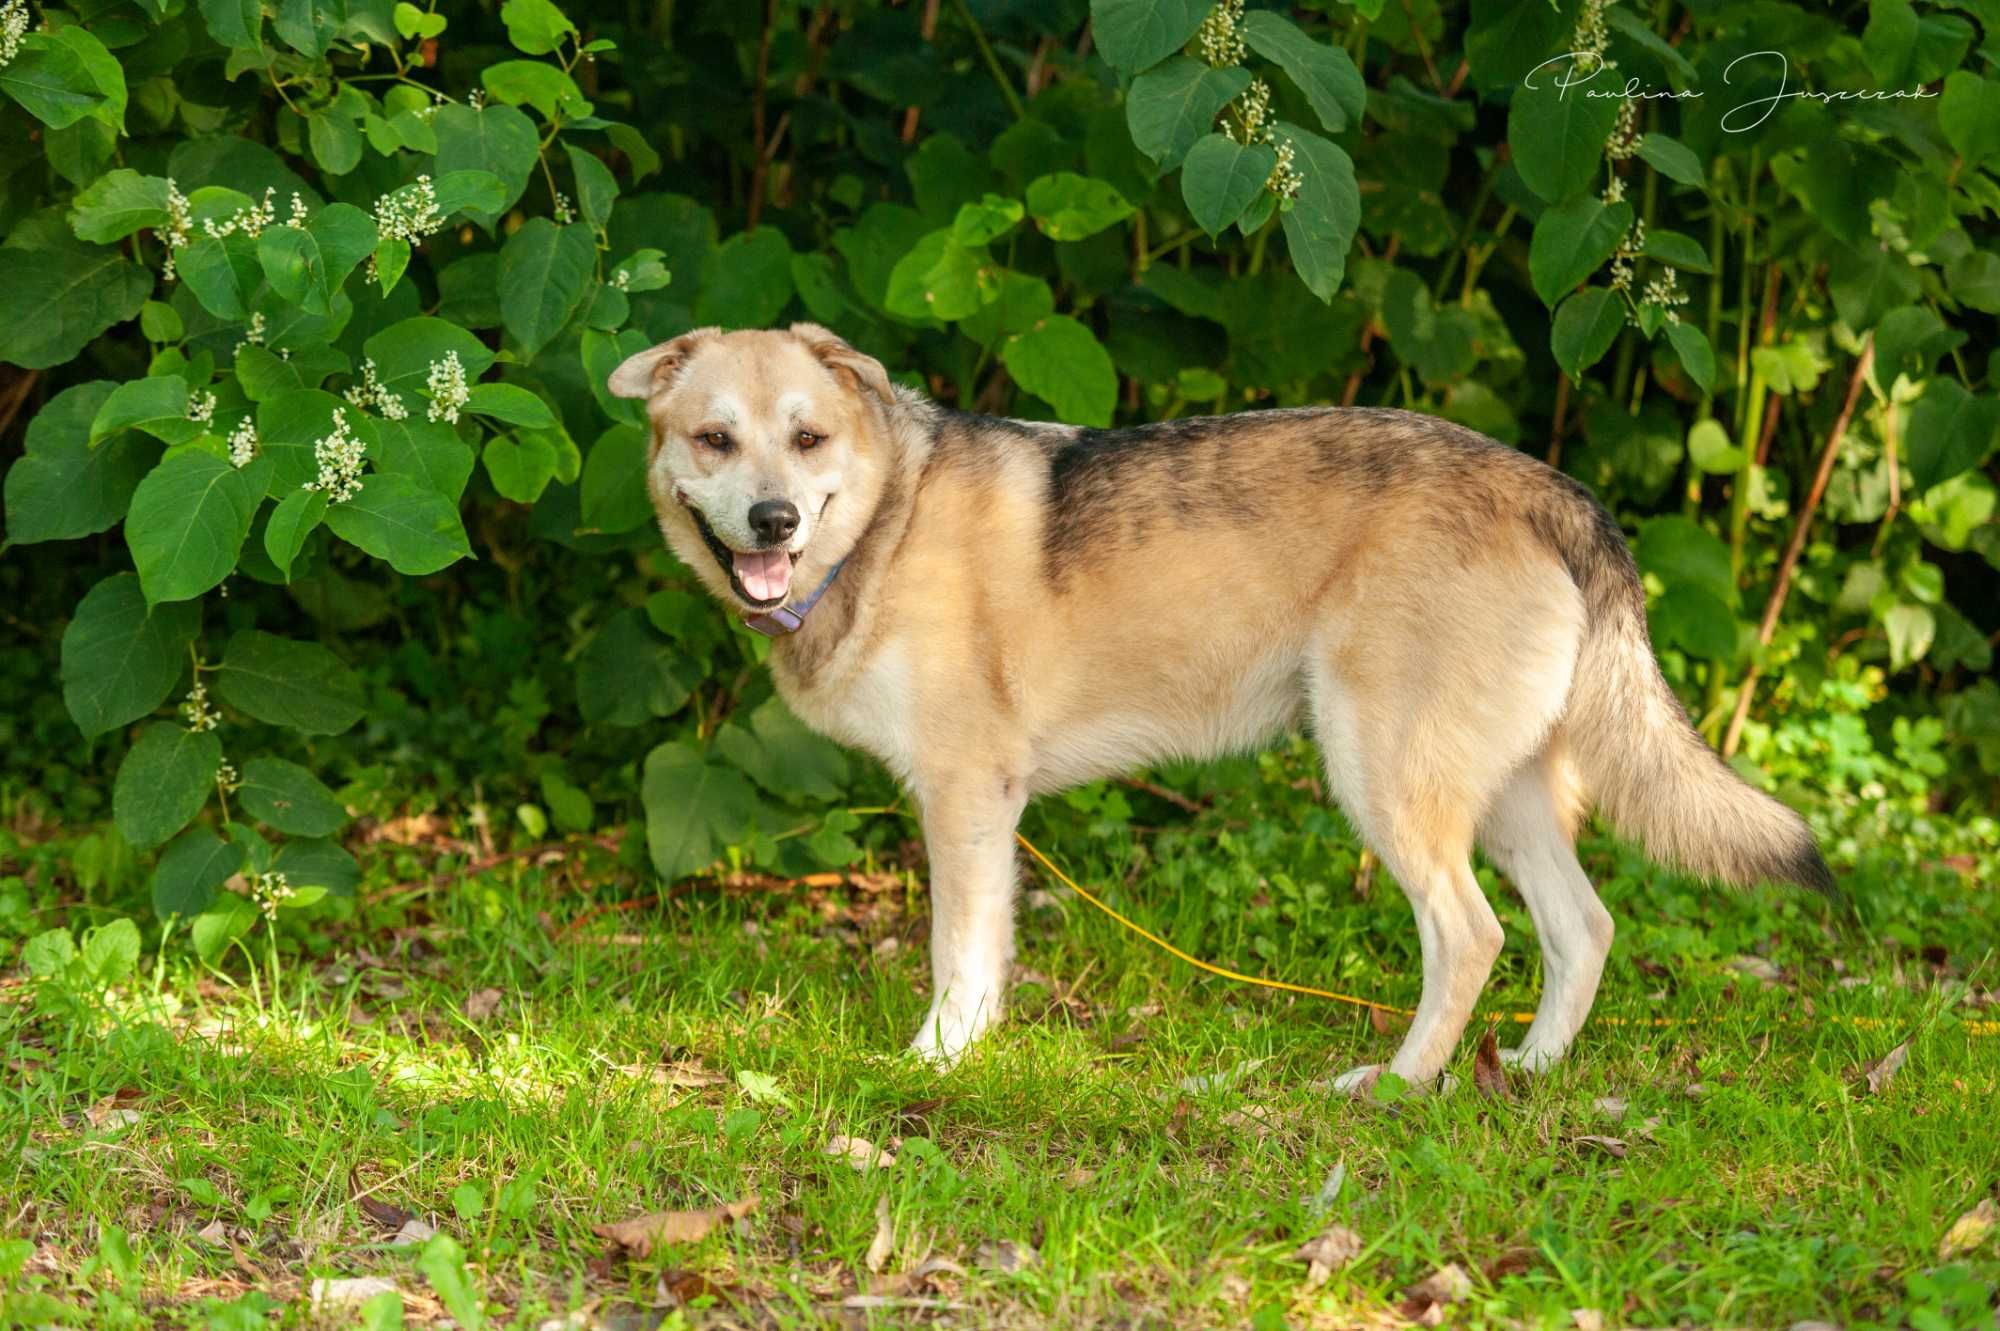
[(874, 709)]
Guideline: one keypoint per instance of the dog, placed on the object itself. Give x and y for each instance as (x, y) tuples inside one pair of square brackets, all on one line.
[(999, 609)]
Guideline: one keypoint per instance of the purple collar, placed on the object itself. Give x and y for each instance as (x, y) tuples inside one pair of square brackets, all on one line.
[(790, 618)]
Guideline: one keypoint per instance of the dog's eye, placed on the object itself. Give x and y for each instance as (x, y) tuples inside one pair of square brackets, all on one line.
[(716, 440), (807, 439)]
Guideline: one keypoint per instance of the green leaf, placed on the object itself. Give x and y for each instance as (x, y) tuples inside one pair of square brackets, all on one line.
[(1320, 225), (111, 951), (317, 862), (976, 224), (64, 486), (498, 140), (1586, 324), (262, 374), (161, 322), (222, 272), (1950, 432), (236, 24), (284, 682), (120, 661), (392, 260), (938, 279), (55, 301), (520, 467), (536, 26), (1708, 444), (780, 754), (1020, 304), (747, 280), (1672, 159), (53, 80), (1573, 240), (291, 424), (1679, 250), (404, 353), (693, 808), (165, 779), (1697, 357), (596, 187), (1683, 553), (1506, 39), (1061, 362), (158, 406), (286, 796), (1558, 135), (1325, 74), (1221, 177), (416, 529), (626, 674), (429, 453), (1695, 620), (545, 87), (308, 26), (543, 271), (1133, 35), (614, 497), (1172, 105), (1910, 629), (118, 204), (1969, 114), (471, 192), (307, 265), (294, 519), (512, 404), (188, 520), (335, 140), (191, 871), (1072, 207), (221, 925)]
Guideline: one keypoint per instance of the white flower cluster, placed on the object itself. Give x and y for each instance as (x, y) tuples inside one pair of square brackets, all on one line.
[(179, 222), (447, 387), (243, 443), (1286, 179), (297, 220), (1629, 248), (476, 99), (253, 336), (1625, 136), (370, 392), (340, 456), (621, 280), (565, 212), (1221, 34), (269, 890), (13, 27), (1591, 37), (201, 406), (226, 777), (1665, 291), (250, 221), (1253, 113), (409, 213), (199, 715)]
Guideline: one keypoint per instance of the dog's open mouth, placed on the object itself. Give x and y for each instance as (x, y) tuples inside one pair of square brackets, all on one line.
[(760, 578)]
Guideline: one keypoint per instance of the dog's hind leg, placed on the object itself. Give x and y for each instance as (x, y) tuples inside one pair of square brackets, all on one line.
[(969, 822), (1528, 834)]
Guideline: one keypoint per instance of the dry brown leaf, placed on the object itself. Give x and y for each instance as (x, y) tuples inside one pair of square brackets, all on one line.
[(1884, 1069), (1611, 1106), (388, 1217), (885, 1236), (642, 1234), (1327, 1253), (1969, 1231), (1487, 1075), (1757, 968), (859, 1153), (1424, 1302), (482, 1003), (1609, 1145), (1006, 1255)]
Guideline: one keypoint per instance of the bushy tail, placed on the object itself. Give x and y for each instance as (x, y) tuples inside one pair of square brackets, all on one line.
[(1642, 761)]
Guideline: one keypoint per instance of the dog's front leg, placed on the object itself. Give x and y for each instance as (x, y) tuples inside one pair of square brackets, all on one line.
[(969, 823)]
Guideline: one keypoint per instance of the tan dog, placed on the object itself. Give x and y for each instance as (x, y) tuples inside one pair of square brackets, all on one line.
[(1005, 609)]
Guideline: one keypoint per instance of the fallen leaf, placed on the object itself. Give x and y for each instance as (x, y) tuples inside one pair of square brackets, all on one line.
[(213, 1233), (1608, 1145), (334, 1295), (1884, 1069), (1969, 1231), (675, 1076), (644, 1233), (1757, 968), (885, 1236), (1327, 1253), (1611, 1106), (939, 1266), (1329, 1191), (1448, 1284), (860, 1153), (482, 1003), (1488, 1077), (868, 1301), (1379, 1020), (413, 1232), (1005, 1255), (1586, 1319), (389, 1217)]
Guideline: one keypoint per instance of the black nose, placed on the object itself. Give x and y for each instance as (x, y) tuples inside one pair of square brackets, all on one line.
[(774, 520)]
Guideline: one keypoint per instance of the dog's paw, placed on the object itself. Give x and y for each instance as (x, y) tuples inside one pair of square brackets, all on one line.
[(1358, 1082)]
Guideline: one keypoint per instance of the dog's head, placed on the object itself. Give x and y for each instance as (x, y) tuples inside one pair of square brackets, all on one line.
[(767, 450)]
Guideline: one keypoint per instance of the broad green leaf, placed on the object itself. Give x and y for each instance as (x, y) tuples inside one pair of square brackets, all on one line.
[(111, 951), (392, 260), (520, 467), (499, 140), (1221, 177), (1693, 619), (693, 808), (286, 796), (512, 404), (1134, 35), (1910, 629), (158, 406), (161, 323), (1325, 74), (413, 527), (1586, 324), (1061, 362), (1558, 135), (290, 426), (308, 26), (614, 497), (1681, 552), (1674, 248), (64, 486), (1573, 240), (119, 661), (429, 453), (536, 26), (1320, 225), (263, 374), (222, 272), (1708, 444), (976, 224), (284, 682), (1969, 114), (535, 83), (230, 918), (188, 520), (1173, 104), (1020, 304), (54, 301), (191, 871), (1672, 159), (335, 139), (1506, 39), (405, 352), (625, 675), (307, 265), (236, 24), (164, 780), (780, 754), (1950, 432), (472, 192), (543, 271), (596, 186), (1072, 207), (1697, 357), (318, 862), (938, 279), (53, 79), (118, 204), (294, 519), (747, 280)]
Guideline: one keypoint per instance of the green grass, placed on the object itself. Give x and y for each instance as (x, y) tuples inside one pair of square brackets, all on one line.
[(1761, 1182)]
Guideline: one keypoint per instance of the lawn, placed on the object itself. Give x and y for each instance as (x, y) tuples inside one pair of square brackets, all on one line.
[(457, 1086)]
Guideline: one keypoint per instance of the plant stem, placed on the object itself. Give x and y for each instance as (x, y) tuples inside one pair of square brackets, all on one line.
[(992, 61)]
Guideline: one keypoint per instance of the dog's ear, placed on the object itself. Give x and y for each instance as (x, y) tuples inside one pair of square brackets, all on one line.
[(651, 370), (862, 370)]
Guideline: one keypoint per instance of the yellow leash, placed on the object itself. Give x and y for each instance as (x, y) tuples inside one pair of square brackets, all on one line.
[(1972, 1027)]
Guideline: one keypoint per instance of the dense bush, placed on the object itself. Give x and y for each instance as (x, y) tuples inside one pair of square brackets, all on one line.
[(312, 304)]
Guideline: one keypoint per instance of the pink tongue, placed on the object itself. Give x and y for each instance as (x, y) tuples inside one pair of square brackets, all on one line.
[(765, 574)]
